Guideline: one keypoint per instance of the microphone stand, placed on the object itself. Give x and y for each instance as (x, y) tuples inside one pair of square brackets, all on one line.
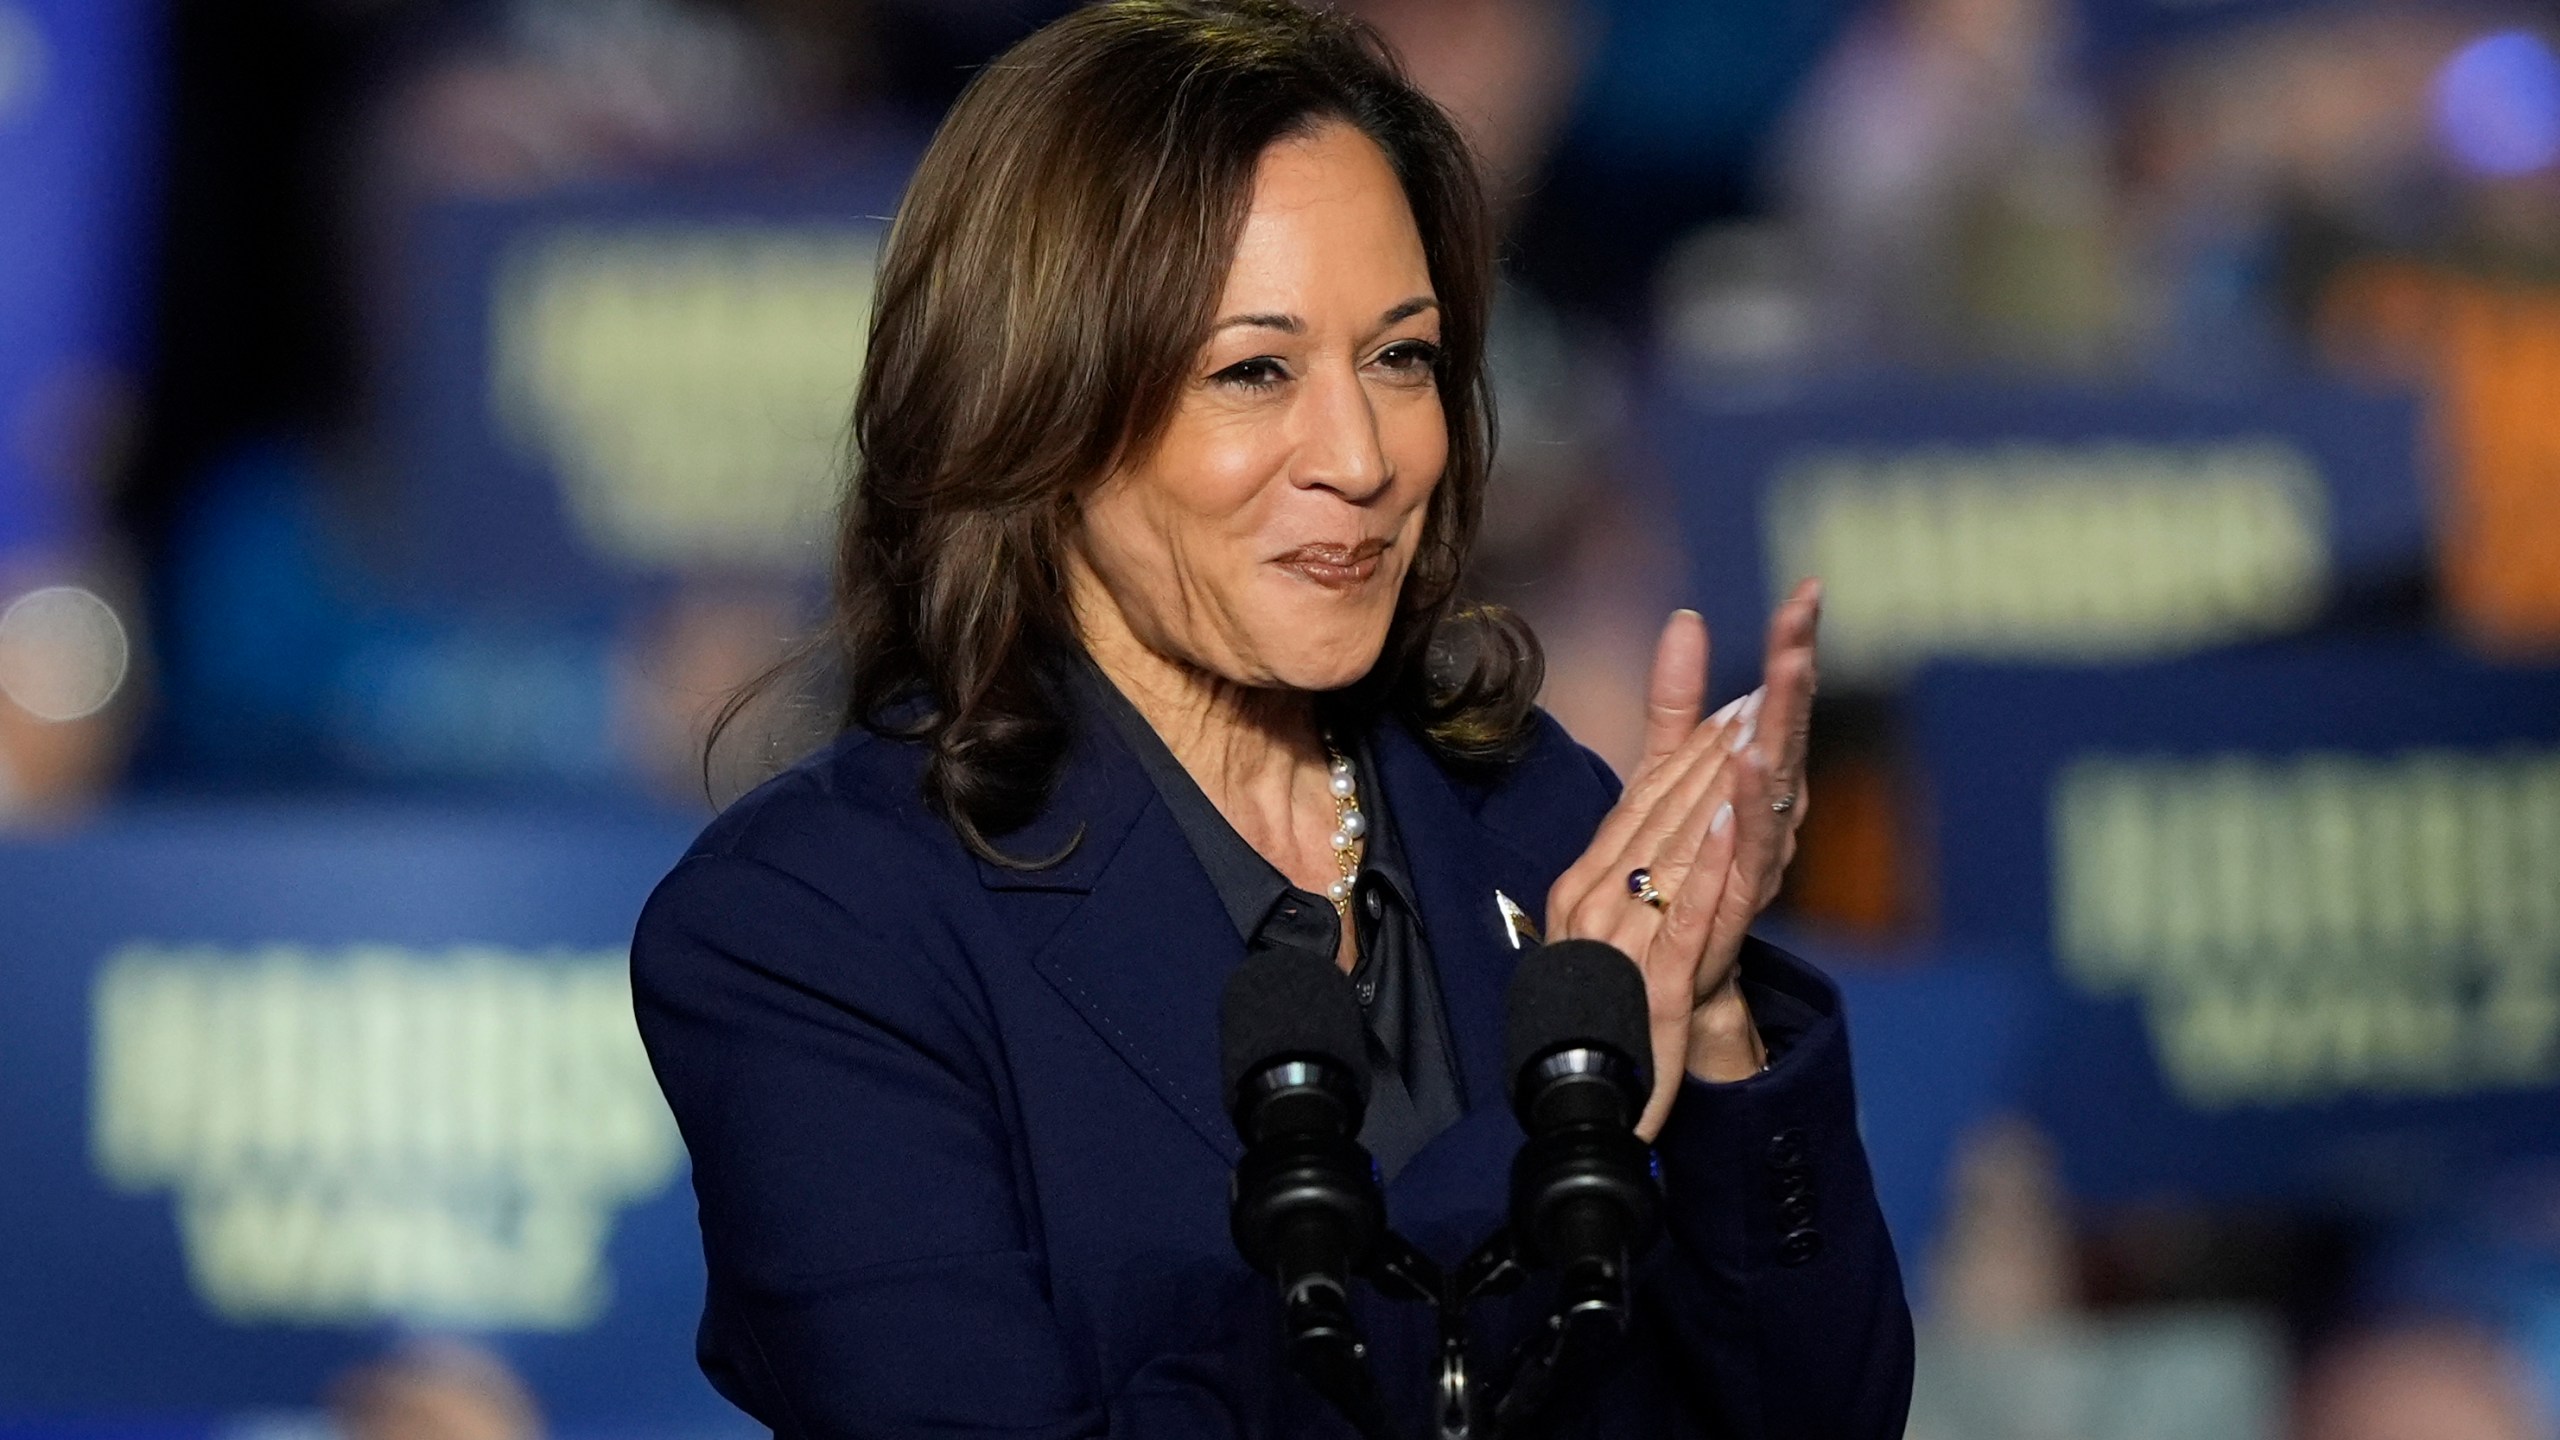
[(1325, 1347), (1591, 1317), (1402, 1272)]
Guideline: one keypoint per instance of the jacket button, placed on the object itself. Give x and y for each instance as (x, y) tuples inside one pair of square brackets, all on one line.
[(1801, 1244), (1796, 1205), (1786, 1149), (1375, 906)]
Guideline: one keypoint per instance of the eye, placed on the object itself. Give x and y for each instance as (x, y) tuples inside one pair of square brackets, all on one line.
[(1413, 358), (1262, 372)]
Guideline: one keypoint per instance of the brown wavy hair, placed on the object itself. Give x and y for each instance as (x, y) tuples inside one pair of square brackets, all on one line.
[(1043, 294)]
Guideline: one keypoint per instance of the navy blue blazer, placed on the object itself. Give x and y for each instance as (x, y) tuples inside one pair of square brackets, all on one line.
[(962, 1168)]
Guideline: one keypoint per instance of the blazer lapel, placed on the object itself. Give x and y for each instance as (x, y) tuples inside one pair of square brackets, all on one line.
[(1458, 865), (1133, 936)]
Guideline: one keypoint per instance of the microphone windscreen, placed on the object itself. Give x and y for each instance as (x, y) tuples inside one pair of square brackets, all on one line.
[(1578, 993), (1290, 1005)]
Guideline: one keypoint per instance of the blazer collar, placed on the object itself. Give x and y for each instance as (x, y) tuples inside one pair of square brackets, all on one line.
[(1100, 793), (1135, 939)]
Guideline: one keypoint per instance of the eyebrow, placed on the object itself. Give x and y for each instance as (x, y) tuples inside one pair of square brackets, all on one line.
[(1292, 325)]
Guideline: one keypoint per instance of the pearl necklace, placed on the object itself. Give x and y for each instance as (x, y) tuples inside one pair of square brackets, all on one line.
[(1350, 828)]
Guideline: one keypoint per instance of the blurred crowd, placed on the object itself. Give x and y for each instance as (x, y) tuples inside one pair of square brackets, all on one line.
[(1750, 196)]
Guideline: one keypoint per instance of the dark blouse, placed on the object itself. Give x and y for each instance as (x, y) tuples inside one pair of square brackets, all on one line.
[(1414, 1089)]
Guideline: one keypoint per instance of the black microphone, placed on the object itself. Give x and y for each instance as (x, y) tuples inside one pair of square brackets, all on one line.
[(1584, 1195), (1305, 1207)]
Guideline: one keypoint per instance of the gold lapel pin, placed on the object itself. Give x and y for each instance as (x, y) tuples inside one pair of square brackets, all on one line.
[(1516, 923)]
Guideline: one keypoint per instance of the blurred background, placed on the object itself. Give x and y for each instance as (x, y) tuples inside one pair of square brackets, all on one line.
[(416, 415)]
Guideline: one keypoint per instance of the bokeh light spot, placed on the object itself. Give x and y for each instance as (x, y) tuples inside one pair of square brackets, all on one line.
[(2498, 104), (63, 653)]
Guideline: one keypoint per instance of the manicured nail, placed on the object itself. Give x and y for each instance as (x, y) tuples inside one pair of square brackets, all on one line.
[(1750, 730), (1723, 817), (1730, 709)]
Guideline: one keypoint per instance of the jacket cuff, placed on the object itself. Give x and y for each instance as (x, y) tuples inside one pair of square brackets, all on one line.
[(1746, 1165)]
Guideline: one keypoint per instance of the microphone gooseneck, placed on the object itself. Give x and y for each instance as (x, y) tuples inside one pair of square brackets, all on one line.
[(1305, 1207)]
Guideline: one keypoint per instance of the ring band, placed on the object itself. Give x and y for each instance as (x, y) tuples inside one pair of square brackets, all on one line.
[(1640, 885), (1783, 803)]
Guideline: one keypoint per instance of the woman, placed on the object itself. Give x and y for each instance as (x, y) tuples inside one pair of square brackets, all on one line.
[(1170, 446)]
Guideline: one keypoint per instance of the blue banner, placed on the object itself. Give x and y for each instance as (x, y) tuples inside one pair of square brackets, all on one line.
[(279, 1087), (611, 385), (2017, 524), (2301, 907)]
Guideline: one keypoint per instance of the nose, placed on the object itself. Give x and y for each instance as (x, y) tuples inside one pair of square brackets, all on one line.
[(1338, 444)]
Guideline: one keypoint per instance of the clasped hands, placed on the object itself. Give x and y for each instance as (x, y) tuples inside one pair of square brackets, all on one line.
[(1710, 814)]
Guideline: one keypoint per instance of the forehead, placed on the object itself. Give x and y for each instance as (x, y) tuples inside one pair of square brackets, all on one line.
[(1329, 220)]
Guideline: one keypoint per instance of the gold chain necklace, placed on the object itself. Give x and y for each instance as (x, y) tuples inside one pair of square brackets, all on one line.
[(1350, 828)]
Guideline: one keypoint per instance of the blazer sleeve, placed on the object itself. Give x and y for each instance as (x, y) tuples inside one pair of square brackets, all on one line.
[(1775, 1302), (871, 1268)]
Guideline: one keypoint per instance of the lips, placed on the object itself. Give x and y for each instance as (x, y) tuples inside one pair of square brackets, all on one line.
[(1337, 567)]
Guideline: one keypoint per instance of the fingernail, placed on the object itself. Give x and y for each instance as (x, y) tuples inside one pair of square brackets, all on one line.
[(1730, 709), (1750, 703), (1723, 817)]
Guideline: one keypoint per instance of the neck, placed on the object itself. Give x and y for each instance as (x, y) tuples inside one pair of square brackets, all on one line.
[(1255, 751), (1234, 739)]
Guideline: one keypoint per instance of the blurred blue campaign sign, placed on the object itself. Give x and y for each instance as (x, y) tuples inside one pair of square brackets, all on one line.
[(606, 386), (281, 1086), (2018, 524), (2301, 905), (76, 114)]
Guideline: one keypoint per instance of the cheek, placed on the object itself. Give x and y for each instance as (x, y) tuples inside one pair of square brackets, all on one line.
[(1418, 444), (1191, 501), (1210, 465), (1421, 437)]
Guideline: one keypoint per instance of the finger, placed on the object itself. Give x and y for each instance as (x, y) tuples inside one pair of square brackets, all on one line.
[(1594, 899), (1677, 688), (1759, 842), (1785, 730), (1671, 976), (1683, 807), (1690, 923), (1790, 678), (1624, 832), (1678, 837)]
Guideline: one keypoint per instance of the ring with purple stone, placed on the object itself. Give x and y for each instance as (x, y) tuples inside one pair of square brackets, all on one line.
[(1640, 885)]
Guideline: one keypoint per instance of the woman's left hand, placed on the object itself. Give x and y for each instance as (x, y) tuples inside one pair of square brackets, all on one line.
[(1710, 815)]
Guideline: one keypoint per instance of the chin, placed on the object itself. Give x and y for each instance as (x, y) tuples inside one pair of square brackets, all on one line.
[(1312, 659)]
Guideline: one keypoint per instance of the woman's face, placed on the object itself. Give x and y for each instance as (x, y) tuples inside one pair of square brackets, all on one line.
[(1265, 538)]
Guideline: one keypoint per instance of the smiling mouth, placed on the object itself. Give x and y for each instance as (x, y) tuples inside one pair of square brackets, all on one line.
[(1337, 567)]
